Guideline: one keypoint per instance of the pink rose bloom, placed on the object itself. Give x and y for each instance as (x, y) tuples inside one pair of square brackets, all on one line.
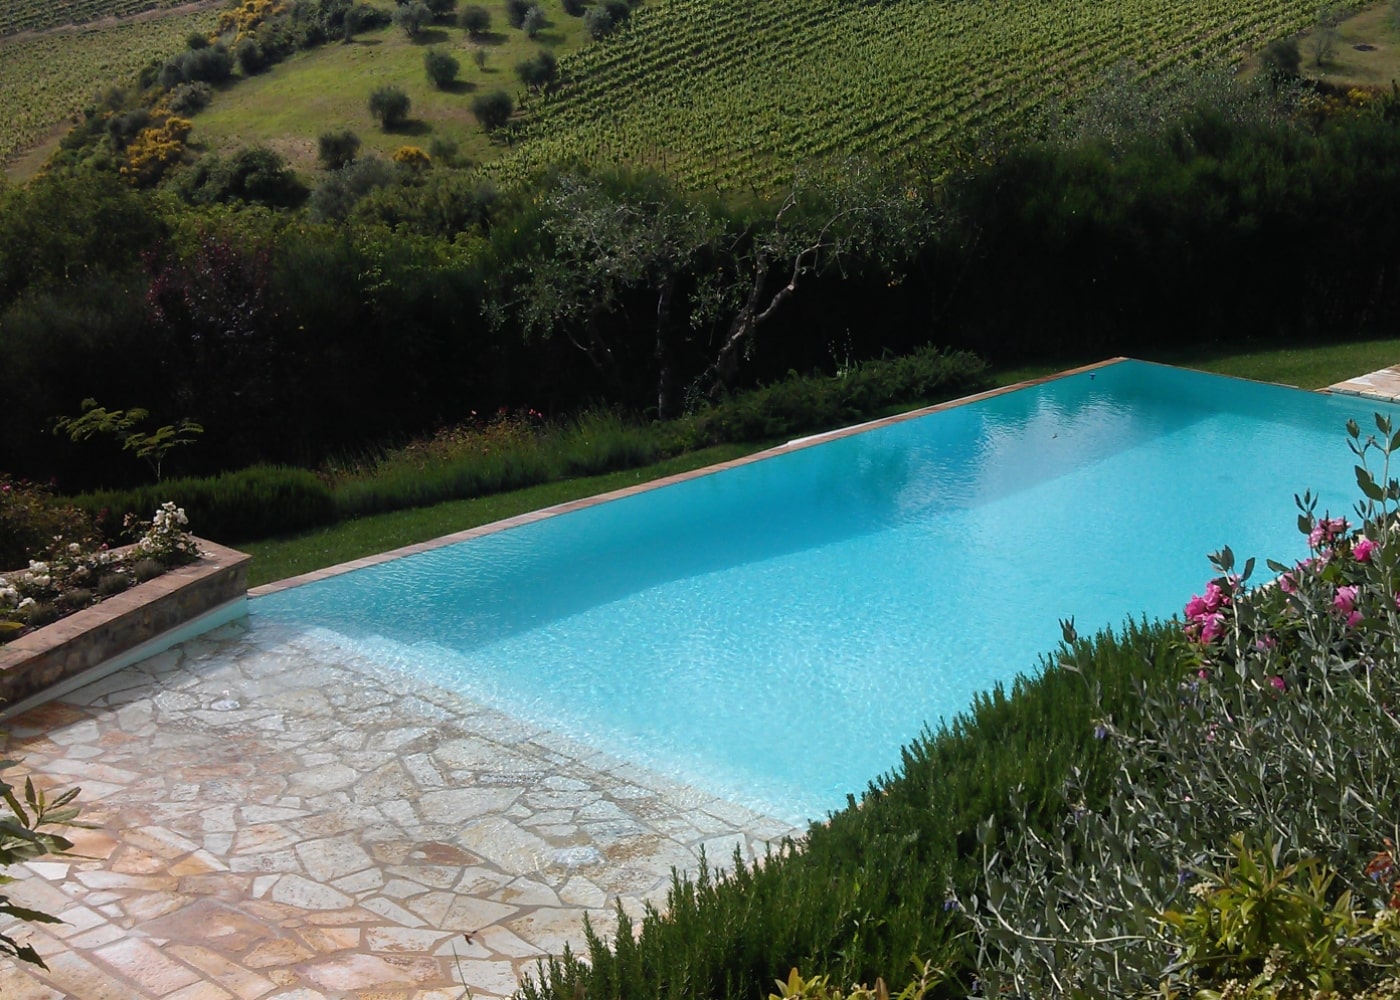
[(1214, 597), (1345, 600), (1326, 530), (1213, 627), (1363, 548), (1278, 683), (1196, 607)]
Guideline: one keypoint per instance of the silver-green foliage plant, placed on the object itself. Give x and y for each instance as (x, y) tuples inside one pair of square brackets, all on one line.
[(1273, 760), (27, 833)]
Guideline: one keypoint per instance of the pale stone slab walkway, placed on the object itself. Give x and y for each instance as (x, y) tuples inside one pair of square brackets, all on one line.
[(278, 819), (1382, 385)]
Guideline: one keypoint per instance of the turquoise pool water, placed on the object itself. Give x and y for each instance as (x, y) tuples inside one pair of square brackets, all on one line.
[(776, 632)]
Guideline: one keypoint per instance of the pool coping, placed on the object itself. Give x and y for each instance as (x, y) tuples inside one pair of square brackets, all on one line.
[(583, 503)]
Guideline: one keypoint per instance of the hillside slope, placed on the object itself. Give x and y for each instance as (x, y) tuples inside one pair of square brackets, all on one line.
[(731, 94)]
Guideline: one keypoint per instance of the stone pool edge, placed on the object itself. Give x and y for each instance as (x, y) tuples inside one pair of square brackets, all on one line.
[(584, 503)]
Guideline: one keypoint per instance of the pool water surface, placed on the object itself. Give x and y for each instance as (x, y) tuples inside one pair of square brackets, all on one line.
[(774, 633)]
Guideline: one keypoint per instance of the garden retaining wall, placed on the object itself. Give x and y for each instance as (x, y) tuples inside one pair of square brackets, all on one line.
[(95, 636)]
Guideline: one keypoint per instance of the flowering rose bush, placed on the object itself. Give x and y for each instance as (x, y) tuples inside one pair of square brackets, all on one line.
[(69, 575), (1275, 752)]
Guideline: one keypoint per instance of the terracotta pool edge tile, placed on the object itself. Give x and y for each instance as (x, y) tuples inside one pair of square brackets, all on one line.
[(582, 503)]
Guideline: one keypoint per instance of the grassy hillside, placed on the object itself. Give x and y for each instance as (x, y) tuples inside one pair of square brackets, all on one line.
[(730, 94), (287, 107), (46, 79)]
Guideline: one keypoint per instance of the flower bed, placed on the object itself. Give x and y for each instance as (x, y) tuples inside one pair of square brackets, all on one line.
[(81, 605), (135, 619)]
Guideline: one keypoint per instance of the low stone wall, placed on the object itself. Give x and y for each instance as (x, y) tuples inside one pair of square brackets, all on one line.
[(95, 635)]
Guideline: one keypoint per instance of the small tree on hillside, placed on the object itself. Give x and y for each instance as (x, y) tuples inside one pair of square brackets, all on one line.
[(411, 17), (534, 21), (598, 23), (442, 69), (538, 72), (475, 20), (1322, 45), (335, 149), (574, 8), (389, 106), (493, 110), (516, 11), (441, 8)]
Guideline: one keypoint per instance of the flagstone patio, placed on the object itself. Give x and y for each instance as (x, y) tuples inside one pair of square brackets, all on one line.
[(277, 818)]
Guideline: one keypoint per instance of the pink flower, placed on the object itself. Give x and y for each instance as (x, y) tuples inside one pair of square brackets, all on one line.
[(1287, 583), (1267, 642), (1213, 627), (1345, 600), (1354, 619), (1203, 674), (1196, 607), (1363, 548), (1278, 683), (1326, 530), (1214, 597)]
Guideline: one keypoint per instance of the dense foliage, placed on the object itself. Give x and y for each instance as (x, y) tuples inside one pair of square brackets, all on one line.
[(270, 331)]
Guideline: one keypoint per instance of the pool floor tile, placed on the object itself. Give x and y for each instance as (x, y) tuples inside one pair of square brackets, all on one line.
[(279, 819)]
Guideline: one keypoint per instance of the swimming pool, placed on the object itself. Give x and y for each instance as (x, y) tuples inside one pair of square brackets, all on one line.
[(774, 633)]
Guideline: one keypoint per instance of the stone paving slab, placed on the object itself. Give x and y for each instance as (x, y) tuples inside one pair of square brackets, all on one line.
[(1383, 385), (277, 818)]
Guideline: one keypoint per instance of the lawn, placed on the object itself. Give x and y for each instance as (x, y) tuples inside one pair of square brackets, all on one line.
[(290, 105)]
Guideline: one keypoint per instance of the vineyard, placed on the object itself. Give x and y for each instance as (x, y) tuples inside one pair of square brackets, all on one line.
[(732, 95), (18, 16), (46, 80)]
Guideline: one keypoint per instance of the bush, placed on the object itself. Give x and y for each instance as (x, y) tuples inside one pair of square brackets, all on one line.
[(804, 403), (188, 98), (253, 175), (411, 17), (540, 71), (412, 157), (598, 23), (255, 503), (442, 68), (534, 21), (493, 110), (251, 57), (475, 20), (337, 149), (1281, 59), (341, 190), (441, 8), (389, 106), (574, 8), (516, 11), (30, 517)]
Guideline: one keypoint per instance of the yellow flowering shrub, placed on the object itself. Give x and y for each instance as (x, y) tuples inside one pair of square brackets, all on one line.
[(412, 156), (155, 150)]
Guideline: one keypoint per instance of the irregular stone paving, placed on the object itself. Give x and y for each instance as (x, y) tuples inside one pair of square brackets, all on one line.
[(1383, 384), (277, 819)]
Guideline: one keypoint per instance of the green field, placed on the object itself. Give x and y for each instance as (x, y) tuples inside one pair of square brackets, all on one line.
[(291, 104), (726, 94), (47, 79)]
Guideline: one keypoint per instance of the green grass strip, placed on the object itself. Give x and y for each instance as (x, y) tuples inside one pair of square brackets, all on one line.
[(278, 558)]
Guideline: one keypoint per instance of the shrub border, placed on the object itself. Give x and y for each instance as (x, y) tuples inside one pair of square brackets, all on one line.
[(140, 622)]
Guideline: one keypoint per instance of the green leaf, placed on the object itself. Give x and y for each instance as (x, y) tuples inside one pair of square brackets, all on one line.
[(1367, 484)]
